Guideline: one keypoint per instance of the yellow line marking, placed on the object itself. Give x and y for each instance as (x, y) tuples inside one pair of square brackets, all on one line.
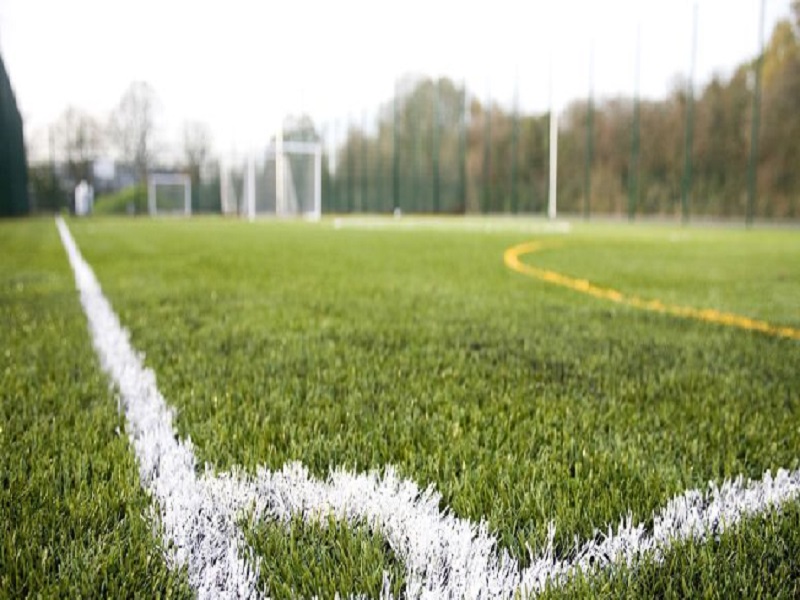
[(512, 255)]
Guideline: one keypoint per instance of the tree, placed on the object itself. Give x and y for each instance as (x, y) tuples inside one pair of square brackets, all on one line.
[(133, 126), (196, 150), (780, 156), (796, 11), (46, 192), (425, 154), (419, 141), (80, 138), (196, 144)]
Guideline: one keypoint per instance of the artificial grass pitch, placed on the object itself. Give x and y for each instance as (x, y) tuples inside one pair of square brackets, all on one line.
[(521, 402), (73, 517)]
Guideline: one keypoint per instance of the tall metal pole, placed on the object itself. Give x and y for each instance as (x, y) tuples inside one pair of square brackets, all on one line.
[(415, 152), (633, 175), (752, 167), (686, 183), (280, 171), (552, 191), (382, 195), (224, 198), (317, 211), (515, 148), (487, 155), (364, 201), (435, 145), (587, 169), (326, 182), (462, 149), (553, 187), (395, 156), (334, 168), (53, 177), (351, 164), (250, 186)]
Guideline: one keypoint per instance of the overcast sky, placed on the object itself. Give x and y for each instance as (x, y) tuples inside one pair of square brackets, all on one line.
[(239, 64)]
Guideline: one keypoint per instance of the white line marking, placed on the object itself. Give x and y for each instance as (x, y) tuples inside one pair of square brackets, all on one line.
[(199, 524), (444, 556), (486, 224)]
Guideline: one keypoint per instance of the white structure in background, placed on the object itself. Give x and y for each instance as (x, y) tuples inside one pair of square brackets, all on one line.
[(84, 199), (229, 201), (285, 180), (169, 193), (553, 188)]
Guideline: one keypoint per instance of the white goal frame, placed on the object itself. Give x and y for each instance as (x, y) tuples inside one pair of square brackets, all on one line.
[(156, 179), (279, 152), (242, 186)]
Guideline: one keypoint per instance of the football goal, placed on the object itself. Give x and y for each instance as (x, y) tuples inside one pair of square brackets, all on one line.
[(285, 180), (169, 194)]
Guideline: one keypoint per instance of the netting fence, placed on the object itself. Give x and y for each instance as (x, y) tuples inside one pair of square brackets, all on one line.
[(716, 143)]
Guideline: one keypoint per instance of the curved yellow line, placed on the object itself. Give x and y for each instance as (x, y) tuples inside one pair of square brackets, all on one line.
[(512, 255)]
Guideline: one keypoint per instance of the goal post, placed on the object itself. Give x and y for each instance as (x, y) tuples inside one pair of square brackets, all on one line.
[(283, 180), (169, 193), (298, 178)]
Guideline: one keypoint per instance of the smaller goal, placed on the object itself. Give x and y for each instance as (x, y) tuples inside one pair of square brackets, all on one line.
[(169, 194)]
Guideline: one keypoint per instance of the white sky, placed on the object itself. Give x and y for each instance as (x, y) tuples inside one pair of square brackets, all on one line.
[(238, 64)]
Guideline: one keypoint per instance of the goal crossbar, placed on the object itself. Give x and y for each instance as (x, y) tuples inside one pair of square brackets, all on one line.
[(293, 147)]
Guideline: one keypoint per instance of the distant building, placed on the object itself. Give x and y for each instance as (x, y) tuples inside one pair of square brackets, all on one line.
[(111, 176)]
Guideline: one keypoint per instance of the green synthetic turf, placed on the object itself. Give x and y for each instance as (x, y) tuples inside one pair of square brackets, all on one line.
[(522, 402), (73, 517), (301, 559)]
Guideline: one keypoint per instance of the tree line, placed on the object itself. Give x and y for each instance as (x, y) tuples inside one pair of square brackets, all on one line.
[(78, 139), (437, 148)]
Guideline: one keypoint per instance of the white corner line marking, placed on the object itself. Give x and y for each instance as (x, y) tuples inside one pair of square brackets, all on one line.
[(444, 556)]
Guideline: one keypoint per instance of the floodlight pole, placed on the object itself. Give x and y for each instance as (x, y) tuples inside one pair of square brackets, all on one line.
[(552, 190), (151, 196), (587, 174), (318, 183), (187, 197), (280, 200), (350, 201), (363, 204), (395, 154), (487, 152), (224, 197), (752, 167), (633, 175), (462, 147), (689, 137), (335, 169), (515, 146), (325, 183), (251, 187), (435, 145), (416, 204)]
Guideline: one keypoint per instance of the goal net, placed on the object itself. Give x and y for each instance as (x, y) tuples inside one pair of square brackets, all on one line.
[(169, 194), (283, 181)]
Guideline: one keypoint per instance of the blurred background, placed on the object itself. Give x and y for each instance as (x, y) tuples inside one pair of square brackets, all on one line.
[(672, 109)]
